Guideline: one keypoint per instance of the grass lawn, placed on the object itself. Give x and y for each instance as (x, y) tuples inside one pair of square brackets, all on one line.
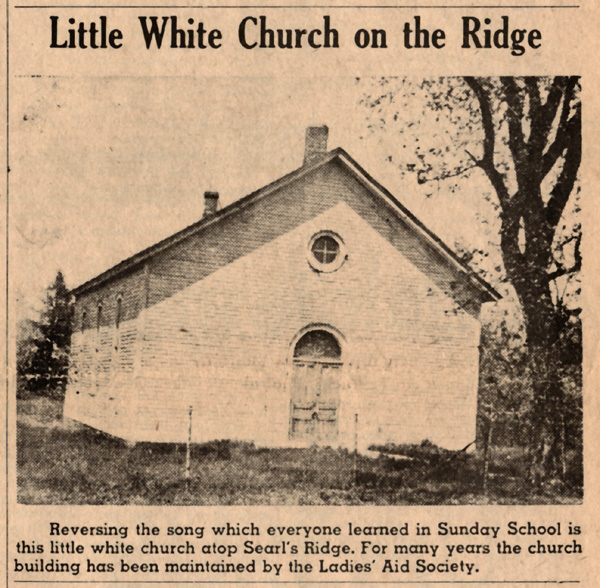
[(66, 463)]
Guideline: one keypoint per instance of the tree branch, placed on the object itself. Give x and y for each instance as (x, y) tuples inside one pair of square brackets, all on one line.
[(562, 133), (550, 108), (487, 161), (421, 179), (514, 116), (559, 195), (538, 130), (561, 269)]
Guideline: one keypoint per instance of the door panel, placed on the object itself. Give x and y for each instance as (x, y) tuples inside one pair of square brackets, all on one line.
[(315, 400)]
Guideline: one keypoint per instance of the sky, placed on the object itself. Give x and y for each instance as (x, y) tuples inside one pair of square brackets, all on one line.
[(102, 167)]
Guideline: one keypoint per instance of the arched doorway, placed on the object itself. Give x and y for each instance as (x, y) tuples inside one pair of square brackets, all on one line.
[(315, 387)]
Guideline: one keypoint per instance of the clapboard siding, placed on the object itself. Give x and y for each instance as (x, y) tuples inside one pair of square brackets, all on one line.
[(209, 322), (222, 345)]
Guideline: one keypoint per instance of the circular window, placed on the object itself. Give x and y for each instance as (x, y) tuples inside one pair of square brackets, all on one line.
[(326, 252)]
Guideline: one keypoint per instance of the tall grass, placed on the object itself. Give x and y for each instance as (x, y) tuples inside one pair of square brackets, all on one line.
[(59, 464)]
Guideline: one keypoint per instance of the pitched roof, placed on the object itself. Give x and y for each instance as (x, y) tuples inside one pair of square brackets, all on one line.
[(486, 290)]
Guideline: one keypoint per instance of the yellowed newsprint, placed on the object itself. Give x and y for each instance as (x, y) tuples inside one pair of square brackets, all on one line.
[(299, 293)]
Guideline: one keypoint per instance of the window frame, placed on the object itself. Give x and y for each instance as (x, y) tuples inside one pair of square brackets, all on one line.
[(332, 266), (99, 310), (118, 321), (304, 358)]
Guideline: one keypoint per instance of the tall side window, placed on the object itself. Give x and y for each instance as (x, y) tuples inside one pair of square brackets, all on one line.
[(98, 323), (97, 353), (83, 320), (98, 318), (118, 317), (119, 311)]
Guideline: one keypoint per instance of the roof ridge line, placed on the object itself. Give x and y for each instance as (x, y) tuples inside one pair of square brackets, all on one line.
[(141, 256)]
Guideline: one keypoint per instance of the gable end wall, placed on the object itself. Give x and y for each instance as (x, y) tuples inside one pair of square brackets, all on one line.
[(219, 329), (150, 380)]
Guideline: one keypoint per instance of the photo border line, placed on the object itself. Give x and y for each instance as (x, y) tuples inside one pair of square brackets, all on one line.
[(7, 242), (307, 6)]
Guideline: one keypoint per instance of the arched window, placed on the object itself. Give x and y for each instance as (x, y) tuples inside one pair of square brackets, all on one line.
[(318, 345)]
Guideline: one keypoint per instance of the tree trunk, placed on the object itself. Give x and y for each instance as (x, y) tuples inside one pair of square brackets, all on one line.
[(529, 222), (488, 437), (547, 431)]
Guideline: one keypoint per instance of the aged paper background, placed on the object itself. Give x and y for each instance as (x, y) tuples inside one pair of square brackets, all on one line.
[(249, 109)]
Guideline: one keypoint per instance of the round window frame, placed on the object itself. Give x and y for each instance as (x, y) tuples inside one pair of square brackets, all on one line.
[(326, 268)]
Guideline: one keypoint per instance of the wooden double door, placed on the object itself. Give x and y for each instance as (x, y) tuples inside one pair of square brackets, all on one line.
[(315, 400)]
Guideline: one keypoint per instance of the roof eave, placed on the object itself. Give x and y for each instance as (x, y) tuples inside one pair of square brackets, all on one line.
[(139, 258), (487, 292)]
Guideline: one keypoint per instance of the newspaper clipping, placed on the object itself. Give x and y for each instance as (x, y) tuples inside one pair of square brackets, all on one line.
[(300, 293)]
